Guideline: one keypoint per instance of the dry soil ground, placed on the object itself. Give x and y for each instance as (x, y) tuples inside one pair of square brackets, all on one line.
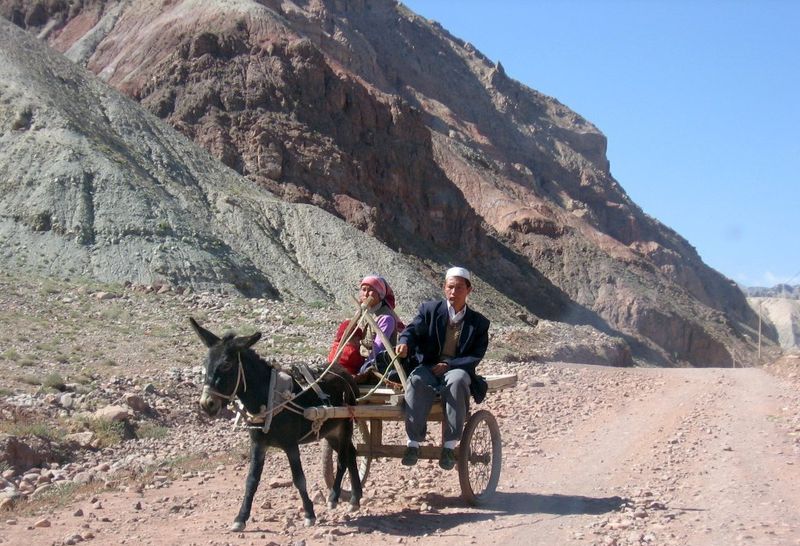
[(696, 457), (592, 455)]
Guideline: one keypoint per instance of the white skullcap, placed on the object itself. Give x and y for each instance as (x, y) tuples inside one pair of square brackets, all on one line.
[(458, 272)]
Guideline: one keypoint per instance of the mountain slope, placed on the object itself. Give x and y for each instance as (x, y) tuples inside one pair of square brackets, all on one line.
[(784, 315), (411, 135), (93, 186)]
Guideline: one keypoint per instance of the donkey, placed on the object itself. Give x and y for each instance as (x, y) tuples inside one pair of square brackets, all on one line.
[(233, 369)]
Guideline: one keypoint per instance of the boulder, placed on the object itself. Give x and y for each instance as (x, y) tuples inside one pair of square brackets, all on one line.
[(22, 454), (136, 403), (112, 413), (82, 439)]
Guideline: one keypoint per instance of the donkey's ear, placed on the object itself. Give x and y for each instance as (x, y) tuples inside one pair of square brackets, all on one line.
[(208, 338), (248, 341)]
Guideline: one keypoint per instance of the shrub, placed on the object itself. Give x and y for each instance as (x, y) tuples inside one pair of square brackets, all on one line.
[(54, 381), (24, 427), (150, 430), (31, 379), (107, 433), (11, 354)]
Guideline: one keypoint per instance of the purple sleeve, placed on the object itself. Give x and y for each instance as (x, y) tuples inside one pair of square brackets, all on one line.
[(386, 324)]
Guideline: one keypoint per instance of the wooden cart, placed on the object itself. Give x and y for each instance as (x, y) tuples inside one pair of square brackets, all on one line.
[(479, 454)]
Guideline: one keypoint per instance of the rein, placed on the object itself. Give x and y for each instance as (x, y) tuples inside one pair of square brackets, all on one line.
[(270, 410), (381, 380)]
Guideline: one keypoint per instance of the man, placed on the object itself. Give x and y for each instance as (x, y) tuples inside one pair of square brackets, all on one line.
[(445, 341)]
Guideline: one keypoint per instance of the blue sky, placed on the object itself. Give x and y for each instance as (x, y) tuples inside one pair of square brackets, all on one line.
[(699, 100)]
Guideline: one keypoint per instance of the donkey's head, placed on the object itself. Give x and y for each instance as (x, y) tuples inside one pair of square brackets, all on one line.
[(224, 370)]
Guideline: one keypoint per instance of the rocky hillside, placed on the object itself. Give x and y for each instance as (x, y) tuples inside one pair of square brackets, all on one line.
[(95, 187), (102, 441), (780, 308), (784, 315), (384, 119), (788, 291)]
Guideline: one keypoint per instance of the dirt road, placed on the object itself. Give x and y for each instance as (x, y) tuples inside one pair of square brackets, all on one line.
[(592, 455), (704, 455)]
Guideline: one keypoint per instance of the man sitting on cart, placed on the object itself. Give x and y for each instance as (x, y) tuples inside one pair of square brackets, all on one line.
[(445, 342)]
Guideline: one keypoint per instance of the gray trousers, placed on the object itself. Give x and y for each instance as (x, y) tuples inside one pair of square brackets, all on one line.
[(421, 391)]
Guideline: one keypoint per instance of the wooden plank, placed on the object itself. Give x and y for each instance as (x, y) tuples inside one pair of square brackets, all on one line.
[(371, 411), (389, 396), (500, 382), (381, 393), (377, 411), (386, 404), (375, 433), (397, 452)]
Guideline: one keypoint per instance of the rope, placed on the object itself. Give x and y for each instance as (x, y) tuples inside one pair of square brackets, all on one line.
[(352, 327), (380, 380), (290, 404), (240, 378)]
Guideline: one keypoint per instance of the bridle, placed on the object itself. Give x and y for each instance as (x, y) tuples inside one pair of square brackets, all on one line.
[(240, 380), (272, 407)]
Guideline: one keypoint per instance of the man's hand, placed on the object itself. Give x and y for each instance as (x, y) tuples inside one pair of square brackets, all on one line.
[(440, 369), (401, 350)]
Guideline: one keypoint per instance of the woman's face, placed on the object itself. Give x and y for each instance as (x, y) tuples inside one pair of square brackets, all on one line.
[(367, 292)]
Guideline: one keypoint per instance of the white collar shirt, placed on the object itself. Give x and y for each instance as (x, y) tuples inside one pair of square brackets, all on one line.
[(455, 318)]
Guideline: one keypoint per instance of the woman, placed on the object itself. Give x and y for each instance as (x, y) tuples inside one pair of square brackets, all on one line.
[(364, 346), (375, 291)]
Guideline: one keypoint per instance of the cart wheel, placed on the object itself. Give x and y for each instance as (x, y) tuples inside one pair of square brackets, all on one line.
[(480, 458), (363, 460)]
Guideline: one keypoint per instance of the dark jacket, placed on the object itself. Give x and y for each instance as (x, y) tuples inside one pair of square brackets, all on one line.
[(426, 333)]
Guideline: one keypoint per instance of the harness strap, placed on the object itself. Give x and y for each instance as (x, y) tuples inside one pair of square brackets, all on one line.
[(313, 383), (241, 374), (273, 379), (264, 418)]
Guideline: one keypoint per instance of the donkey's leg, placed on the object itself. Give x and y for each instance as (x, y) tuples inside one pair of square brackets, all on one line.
[(336, 488), (351, 462), (299, 480), (345, 460), (257, 452)]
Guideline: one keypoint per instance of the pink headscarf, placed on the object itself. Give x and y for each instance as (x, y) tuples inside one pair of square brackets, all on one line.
[(377, 283), (382, 287)]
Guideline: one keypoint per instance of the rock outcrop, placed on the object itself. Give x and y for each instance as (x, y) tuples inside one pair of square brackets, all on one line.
[(378, 116), (785, 291), (93, 186), (782, 314)]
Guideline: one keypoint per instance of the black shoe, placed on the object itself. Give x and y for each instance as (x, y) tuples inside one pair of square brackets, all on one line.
[(447, 460), (411, 456)]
